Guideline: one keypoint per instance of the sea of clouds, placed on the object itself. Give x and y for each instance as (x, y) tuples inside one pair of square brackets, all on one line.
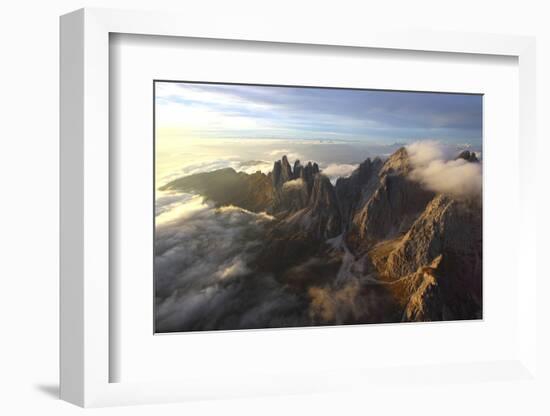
[(203, 276)]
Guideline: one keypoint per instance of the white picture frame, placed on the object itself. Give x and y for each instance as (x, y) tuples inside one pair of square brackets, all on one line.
[(84, 234)]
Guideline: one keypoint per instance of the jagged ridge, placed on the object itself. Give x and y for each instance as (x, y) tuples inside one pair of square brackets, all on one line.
[(427, 246)]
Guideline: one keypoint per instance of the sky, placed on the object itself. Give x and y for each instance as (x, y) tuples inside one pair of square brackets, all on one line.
[(187, 110), (202, 127)]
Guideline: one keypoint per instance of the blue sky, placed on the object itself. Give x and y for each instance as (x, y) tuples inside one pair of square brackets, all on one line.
[(256, 112)]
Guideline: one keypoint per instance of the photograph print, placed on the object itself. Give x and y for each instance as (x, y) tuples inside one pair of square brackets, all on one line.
[(290, 206)]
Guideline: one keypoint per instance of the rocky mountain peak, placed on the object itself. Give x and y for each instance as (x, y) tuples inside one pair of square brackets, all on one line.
[(468, 156), (276, 174), (287, 170), (365, 169), (282, 172), (307, 173), (398, 163), (291, 186)]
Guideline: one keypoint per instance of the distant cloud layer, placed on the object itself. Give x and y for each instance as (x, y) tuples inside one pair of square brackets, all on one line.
[(335, 158), (438, 171)]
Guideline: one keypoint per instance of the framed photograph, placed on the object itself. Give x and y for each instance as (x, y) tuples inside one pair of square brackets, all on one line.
[(292, 206), (262, 211)]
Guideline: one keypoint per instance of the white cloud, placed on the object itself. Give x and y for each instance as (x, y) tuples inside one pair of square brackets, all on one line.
[(235, 268), (425, 151), (339, 170), (435, 172), (294, 184), (172, 207)]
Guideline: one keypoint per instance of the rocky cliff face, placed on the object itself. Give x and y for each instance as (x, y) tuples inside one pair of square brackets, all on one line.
[(394, 201), (320, 218), (422, 297), (436, 266), (356, 189), (449, 230), (392, 208)]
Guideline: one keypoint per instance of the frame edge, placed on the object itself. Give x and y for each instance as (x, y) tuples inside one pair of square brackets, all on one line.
[(71, 202)]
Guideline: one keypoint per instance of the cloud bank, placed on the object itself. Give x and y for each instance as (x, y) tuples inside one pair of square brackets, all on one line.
[(203, 273), (435, 169)]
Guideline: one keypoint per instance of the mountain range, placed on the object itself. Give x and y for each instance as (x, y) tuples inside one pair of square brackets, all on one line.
[(377, 246)]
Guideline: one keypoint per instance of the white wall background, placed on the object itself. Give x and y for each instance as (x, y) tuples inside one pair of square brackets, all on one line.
[(29, 58)]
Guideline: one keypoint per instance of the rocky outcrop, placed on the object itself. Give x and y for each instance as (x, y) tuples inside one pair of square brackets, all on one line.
[(308, 174), (291, 187), (468, 156), (325, 208), (422, 294), (447, 226)]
